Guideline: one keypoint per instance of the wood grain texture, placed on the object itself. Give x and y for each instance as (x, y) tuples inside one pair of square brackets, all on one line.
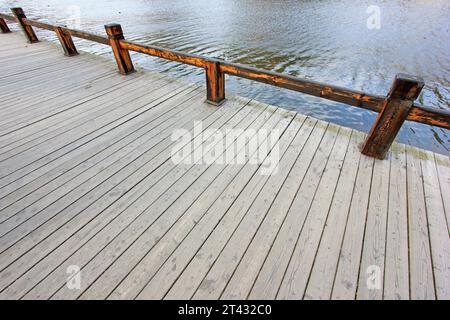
[(26, 28), (394, 112), (172, 55), (3, 26), (87, 178), (215, 83), (421, 265), (396, 268), (122, 55), (66, 42)]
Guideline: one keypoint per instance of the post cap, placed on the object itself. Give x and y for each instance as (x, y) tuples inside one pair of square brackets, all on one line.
[(114, 30), (17, 9), (406, 87)]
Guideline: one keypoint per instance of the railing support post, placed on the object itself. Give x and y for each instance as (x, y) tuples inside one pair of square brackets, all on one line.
[(4, 26), (66, 42), (394, 111), (122, 56), (28, 30), (215, 83)]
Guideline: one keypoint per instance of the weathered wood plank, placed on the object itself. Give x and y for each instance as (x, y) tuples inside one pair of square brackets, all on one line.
[(3, 26), (396, 270), (89, 180), (209, 228), (45, 158), (321, 280), (421, 270), (306, 245), (22, 120), (27, 29), (346, 278), (66, 42), (394, 112), (215, 84), (371, 273), (151, 208), (173, 55), (315, 152), (136, 280), (86, 104), (443, 168), (20, 212), (49, 213), (122, 55), (94, 93), (246, 272), (76, 168), (98, 219), (181, 228), (437, 226), (159, 185), (219, 245)]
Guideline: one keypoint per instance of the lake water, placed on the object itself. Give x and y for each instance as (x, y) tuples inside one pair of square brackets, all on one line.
[(322, 40)]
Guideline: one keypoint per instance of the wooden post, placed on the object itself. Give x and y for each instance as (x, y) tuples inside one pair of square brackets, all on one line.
[(215, 83), (4, 26), (66, 42), (28, 30), (394, 111), (122, 56)]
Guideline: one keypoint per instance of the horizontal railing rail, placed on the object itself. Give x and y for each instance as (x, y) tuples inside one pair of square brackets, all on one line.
[(393, 109)]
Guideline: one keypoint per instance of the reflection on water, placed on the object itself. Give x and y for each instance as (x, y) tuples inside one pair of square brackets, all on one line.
[(323, 40)]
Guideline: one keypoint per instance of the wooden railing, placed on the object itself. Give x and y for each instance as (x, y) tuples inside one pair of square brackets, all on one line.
[(393, 109)]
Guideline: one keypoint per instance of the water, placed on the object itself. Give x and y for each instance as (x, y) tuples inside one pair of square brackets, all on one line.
[(322, 40)]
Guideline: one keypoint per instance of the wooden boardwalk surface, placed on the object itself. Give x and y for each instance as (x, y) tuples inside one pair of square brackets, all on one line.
[(87, 180)]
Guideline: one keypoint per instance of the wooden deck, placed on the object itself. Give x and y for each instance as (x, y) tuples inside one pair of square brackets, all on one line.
[(86, 179)]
